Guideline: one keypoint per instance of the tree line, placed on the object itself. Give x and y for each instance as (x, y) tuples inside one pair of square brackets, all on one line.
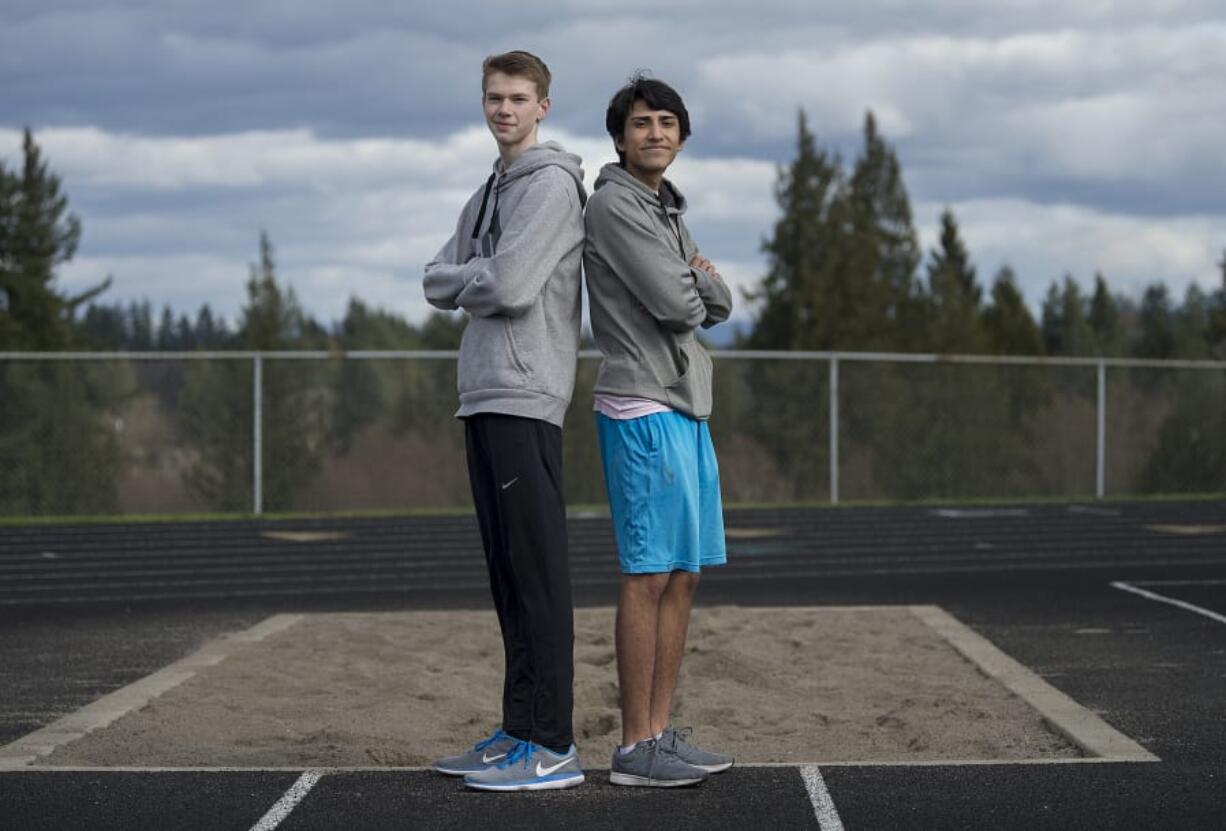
[(845, 271)]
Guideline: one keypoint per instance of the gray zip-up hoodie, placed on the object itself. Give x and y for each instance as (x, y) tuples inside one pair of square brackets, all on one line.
[(644, 297), (517, 276)]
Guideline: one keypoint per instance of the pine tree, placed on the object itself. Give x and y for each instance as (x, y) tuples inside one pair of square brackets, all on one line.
[(140, 326), (37, 234), (806, 296), (1157, 337), (57, 454), (1066, 327), (217, 404), (954, 295), (1105, 321), (1217, 316), (1191, 330), (165, 339), (1009, 327), (884, 247)]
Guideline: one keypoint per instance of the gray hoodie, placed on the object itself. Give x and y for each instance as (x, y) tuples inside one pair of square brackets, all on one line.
[(517, 276), (644, 297)]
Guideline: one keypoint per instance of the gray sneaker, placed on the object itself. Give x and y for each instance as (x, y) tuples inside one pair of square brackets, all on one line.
[(530, 767), (675, 740), (652, 765), (484, 754)]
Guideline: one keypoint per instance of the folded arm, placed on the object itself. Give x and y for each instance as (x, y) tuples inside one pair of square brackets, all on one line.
[(445, 273), (540, 232), (653, 271)]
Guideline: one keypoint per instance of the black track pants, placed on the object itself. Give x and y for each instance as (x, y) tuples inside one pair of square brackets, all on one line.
[(515, 468)]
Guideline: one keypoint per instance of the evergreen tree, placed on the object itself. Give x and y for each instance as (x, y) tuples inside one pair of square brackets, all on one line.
[(1105, 321), (884, 249), (140, 326), (1009, 328), (209, 333), (103, 327), (954, 294), (807, 298), (37, 234), (1066, 327), (1217, 317), (218, 400), (57, 453), (443, 331), (1190, 336), (1157, 336), (165, 339)]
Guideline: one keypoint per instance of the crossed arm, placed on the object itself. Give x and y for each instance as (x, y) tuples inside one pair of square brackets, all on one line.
[(534, 240), (681, 296)]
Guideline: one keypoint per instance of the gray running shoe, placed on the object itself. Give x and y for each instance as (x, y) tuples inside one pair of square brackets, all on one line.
[(675, 740), (484, 754), (530, 767), (652, 765)]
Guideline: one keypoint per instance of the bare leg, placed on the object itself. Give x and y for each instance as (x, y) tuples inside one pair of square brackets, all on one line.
[(638, 612), (674, 621)]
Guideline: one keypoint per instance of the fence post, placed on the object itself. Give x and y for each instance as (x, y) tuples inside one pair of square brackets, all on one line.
[(257, 392), (1102, 430), (834, 430)]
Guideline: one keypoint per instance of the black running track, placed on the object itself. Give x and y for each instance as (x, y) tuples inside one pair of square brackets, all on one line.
[(87, 609)]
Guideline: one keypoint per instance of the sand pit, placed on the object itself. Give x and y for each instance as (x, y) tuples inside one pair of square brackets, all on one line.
[(399, 689)]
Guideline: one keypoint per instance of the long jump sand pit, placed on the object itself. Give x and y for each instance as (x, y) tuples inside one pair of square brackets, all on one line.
[(821, 684)]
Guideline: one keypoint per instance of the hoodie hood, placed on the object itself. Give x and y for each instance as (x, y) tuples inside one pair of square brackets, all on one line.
[(538, 156), (669, 199)]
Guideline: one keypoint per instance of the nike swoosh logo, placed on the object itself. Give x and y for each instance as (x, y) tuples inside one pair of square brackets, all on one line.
[(509, 484), (541, 770), (488, 759)]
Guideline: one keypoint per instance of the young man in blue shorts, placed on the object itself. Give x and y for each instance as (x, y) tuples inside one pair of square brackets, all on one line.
[(513, 266), (649, 288)]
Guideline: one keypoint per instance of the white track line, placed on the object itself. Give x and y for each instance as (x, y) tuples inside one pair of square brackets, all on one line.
[(1161, 598), (823, 806), (286, 803), (98, 714), (1177, 583), (1078, 724)]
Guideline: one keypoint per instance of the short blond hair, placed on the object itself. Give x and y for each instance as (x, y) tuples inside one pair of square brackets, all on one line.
[(522, 64)]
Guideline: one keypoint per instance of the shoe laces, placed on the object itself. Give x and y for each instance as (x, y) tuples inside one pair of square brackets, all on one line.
[(521, 751), (484, 743), (676, 736)]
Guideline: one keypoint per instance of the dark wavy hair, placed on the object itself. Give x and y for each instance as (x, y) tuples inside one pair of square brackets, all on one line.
[(655, 94)]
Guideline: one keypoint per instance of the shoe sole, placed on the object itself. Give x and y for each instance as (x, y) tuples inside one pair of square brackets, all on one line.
[(633, 781), (715, 768), (549, 785)]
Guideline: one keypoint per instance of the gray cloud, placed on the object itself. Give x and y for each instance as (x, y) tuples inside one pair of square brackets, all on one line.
[(1066, 135)]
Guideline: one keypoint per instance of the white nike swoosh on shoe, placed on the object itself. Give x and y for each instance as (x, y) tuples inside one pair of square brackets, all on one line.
[(488, 759), (541, 770)]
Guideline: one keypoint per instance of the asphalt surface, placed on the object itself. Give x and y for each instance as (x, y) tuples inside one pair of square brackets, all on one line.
[(85, 610)]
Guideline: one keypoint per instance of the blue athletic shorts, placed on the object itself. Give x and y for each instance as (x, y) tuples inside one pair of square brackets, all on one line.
[(663, 484)]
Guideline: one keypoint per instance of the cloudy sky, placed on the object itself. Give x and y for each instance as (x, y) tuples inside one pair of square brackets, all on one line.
[(1072, 136)]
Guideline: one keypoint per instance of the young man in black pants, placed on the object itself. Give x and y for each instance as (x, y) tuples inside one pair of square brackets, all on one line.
[(513, 265)]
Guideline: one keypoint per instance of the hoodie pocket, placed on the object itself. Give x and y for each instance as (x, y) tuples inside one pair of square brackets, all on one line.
[(487, 356), (513, 350)]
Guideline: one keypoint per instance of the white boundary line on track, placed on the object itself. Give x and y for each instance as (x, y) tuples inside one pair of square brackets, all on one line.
[(289, 801), (1081, 726), (29, 748), (823, 804), (1103, 743), (1171, 601)]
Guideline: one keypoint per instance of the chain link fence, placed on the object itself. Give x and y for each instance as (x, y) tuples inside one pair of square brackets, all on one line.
[(187, 433)]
